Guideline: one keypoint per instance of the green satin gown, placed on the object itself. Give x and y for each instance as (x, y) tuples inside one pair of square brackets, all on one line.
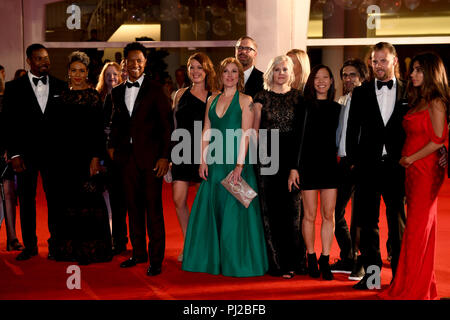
[(224, 237)]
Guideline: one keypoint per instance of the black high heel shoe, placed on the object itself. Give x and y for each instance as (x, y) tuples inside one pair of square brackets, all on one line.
[(313, 269), (325, 269), (14, 245), (288, 275)]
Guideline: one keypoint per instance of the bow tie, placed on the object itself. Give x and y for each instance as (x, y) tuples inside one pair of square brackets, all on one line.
[(389, 84), (132, 84), (36, 80)]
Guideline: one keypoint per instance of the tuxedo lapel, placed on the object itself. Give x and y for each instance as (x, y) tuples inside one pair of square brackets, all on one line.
[(140, 96), (373, 100), (400, 102), (29, 92), (52, 94), (119, 102)]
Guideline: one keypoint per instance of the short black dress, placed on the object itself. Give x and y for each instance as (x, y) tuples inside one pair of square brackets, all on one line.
[(318, 166), (189, 109)]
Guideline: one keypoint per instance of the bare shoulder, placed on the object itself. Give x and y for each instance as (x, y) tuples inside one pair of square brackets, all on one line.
[(437, 105), (180, 92), (212, 97), (245, 99)]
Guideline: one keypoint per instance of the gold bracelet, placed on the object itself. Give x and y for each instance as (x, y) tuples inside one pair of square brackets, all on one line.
[(239, 165)]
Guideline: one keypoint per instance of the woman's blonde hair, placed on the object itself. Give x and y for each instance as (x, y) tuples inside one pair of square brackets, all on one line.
[(223, 65), (101, 86), (268, 75), (303, 59)]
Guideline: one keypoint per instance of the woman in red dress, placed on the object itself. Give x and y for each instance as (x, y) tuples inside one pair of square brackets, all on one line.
[(426, 132)]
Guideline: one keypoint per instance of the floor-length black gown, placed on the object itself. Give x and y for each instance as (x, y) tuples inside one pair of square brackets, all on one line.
[(83, 232), (281, 209)]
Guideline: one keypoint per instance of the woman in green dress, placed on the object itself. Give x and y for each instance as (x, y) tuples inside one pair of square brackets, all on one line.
[(224, 237)]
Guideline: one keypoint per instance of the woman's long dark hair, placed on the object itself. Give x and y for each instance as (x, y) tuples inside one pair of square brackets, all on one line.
[(310, 92), (435, 83)]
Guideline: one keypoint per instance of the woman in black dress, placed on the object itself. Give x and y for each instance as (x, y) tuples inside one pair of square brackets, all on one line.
[(83, 232), (8, 176), (316, 171), (110, 77), (276, 108), (189, 107)]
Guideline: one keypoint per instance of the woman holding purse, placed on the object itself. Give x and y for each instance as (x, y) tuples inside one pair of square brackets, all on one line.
[(223, 236)]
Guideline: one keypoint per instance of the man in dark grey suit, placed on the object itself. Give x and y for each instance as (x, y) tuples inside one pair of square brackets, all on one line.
[(28, 105), (374, 143), (246, 52)]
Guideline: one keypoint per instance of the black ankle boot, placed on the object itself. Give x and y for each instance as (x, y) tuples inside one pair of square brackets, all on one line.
[(325, 268), (313, 269)]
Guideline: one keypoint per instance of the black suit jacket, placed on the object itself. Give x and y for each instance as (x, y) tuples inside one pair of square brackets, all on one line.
[(254, 83), (146, 133), (366, 132), (29, 130)]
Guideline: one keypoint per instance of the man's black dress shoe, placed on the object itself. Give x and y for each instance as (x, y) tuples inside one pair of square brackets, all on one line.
[(27, 254), (131, 262), (362, 284), (153, 271)]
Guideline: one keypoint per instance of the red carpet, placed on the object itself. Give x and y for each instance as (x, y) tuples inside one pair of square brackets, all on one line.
[(41, 279)]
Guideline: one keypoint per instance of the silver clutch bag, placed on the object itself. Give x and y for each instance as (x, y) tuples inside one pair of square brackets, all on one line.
[(241, 190)]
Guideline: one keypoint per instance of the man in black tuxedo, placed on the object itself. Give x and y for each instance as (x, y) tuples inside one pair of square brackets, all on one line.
[(140, 139), (374, 143), (246, 52), (28, 104)]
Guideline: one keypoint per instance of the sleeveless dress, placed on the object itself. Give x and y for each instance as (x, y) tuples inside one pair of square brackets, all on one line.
[(415, 278), (224, 237), (189, 109)]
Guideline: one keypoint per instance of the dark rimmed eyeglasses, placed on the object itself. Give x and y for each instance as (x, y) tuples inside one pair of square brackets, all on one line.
[(350, 75), (241, 48)]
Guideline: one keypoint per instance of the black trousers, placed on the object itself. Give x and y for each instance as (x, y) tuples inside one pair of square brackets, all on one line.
[(26, 191), (348, 241), (385, 179), (145, 212)]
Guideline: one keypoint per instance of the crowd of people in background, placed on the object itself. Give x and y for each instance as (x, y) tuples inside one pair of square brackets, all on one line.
[(106, 144)]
